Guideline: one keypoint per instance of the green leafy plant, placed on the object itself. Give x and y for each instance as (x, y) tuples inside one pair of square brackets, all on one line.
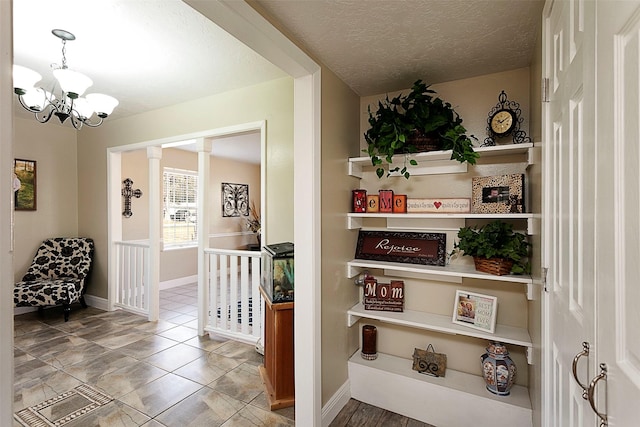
[(495, 240), (418, 113)]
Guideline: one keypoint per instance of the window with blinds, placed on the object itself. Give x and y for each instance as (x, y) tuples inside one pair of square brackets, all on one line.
[(180, 207)]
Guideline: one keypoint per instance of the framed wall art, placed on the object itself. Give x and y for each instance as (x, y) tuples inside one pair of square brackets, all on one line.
[(498, 194), (24, 185), (404, 247), (235, 199), (475, 310)]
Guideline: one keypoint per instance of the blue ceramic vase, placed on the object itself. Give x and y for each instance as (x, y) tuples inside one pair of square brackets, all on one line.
[(498, 370)]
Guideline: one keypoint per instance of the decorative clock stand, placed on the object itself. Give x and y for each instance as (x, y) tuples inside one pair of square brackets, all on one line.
[(505, 120)]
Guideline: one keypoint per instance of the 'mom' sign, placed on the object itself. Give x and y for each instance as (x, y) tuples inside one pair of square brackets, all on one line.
[(383, 296)]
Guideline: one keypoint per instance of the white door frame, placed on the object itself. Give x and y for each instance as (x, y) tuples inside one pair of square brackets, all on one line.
[(244, 23), (6, 214)]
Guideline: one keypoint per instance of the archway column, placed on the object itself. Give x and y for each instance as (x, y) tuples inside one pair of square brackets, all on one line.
[(154, 155), (203, 146)]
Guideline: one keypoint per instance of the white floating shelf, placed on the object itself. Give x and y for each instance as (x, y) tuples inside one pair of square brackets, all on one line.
[(398, 220), (438, 162), (389, 383), (440, 323), (354, 267)]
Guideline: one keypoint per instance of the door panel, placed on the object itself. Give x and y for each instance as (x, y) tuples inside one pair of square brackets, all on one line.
[(569, 191), (619, 195)]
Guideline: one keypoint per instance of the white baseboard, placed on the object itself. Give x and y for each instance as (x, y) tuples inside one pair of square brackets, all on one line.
[(181, 281), (338, 401), (97, 302)]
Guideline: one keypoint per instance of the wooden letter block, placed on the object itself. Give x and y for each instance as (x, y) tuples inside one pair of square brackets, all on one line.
[(383, 296), (400, 203), (359, 200), (386, 201), (372, 203)]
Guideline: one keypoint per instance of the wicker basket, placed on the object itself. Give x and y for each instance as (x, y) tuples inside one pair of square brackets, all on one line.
[(424, 142), (495, 266)]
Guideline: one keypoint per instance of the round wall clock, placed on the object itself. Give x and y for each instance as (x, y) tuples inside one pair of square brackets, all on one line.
[(503, 120)]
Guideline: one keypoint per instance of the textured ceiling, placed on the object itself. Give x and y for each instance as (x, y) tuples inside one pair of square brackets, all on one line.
[(154, 53), (379, 46)]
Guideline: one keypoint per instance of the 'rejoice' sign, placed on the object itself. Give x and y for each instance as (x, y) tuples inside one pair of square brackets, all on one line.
[(405, 247), (383, 296)]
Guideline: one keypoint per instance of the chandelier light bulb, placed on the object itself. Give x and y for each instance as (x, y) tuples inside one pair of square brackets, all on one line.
[(83, 107), (24, 79), (37, 98), (102, 104), (72, 82)]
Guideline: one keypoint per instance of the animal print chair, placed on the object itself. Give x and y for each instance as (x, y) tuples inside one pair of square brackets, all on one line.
[(56, 275)]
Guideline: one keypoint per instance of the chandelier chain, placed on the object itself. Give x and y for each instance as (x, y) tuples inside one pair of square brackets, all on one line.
[(64, 54)]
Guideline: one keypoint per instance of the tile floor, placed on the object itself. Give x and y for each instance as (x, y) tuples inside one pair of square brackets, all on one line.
[(159, 373)]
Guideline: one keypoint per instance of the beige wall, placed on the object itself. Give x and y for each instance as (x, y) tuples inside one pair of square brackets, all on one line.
[(474, 108), (53, 147), (272, 101), (135, 165), (339, 142), (177, 263), (473, 99)]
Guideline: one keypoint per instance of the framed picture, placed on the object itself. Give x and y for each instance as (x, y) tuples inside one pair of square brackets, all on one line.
[(498, 194), (405, 247), (235, 199), (24, 185), (475, 310)]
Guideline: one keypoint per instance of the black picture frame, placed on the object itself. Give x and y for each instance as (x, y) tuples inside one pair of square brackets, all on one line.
[(403, 247)]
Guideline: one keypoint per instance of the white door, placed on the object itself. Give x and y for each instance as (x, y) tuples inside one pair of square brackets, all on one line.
[(618, 193), (592, 205), (569, 208)]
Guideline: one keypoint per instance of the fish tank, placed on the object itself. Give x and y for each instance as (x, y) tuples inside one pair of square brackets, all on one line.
[(278, 272)]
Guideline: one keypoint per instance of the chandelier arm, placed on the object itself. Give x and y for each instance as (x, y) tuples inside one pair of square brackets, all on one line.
[(26, 107), (76, 120), (94, 124), (43, 116)]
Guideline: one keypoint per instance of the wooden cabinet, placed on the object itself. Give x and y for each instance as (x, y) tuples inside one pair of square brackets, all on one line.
[(278, 370)]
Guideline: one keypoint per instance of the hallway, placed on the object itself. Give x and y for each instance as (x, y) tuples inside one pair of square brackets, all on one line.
[(158, 374)]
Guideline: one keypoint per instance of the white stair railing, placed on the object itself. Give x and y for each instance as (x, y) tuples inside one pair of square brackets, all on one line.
[(131, 278), (235, 303)]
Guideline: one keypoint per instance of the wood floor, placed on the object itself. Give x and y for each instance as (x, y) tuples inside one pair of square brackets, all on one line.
[(359, 414)]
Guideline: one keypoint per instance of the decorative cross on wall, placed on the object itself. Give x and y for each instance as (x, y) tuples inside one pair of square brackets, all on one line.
[(128, 193)]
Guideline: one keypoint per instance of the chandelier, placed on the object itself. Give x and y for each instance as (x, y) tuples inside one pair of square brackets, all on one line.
[(68, 104)]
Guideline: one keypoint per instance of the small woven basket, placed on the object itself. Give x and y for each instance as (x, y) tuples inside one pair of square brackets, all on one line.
[(495, 266), (424, 142)]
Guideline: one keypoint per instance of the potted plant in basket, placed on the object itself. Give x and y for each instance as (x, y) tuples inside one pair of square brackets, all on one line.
[(416, 122), (495, 248)]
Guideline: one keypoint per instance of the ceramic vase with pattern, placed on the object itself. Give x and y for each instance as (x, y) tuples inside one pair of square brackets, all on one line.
[(498, 370)]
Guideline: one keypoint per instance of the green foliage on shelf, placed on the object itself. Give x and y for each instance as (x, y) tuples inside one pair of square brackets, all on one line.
[(495, 240), (399, 118)]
